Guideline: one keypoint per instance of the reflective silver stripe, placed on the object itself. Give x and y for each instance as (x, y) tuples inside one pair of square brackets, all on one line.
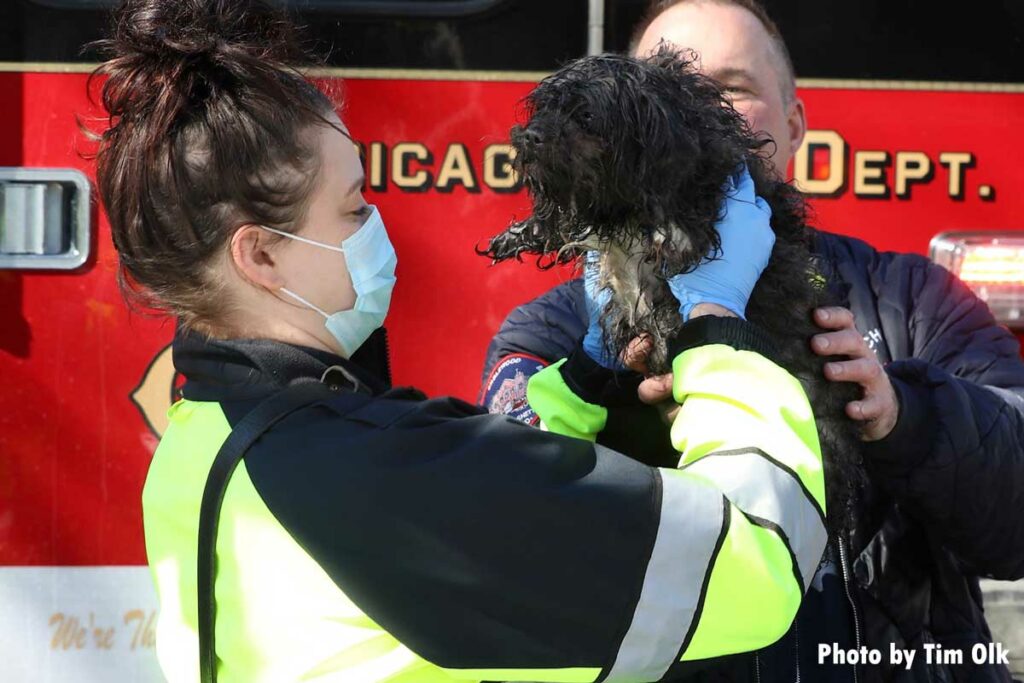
[(760, 488), (1012, 396), (690, 525)]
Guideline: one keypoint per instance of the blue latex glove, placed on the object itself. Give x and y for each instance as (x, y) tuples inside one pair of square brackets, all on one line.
[(747, 239), (597, 299)]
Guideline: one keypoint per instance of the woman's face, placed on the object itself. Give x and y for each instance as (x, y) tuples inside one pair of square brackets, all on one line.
[(336, 210)]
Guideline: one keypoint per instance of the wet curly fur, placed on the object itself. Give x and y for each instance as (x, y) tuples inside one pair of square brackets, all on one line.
[(629, 157)]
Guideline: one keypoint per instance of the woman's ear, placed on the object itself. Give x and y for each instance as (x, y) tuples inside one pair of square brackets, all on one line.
[(250, 252)]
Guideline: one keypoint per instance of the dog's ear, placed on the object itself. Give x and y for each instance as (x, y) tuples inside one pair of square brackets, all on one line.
[(662, 127), (526, 236)]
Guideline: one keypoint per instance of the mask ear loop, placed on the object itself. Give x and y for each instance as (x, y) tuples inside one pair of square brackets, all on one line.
[(305, 303), (282, 233)]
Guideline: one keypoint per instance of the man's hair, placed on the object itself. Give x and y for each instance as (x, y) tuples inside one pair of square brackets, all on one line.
[(787, 76)]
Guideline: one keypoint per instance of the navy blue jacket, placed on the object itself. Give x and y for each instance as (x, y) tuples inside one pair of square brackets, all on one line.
[(945, 500)]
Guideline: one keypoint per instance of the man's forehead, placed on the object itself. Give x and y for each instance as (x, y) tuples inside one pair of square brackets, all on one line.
[(726, 37)]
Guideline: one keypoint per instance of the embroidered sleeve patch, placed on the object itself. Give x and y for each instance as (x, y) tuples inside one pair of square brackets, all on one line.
[(504, 392)]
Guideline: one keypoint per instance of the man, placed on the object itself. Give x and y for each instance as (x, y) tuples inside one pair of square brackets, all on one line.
[(942, 412)]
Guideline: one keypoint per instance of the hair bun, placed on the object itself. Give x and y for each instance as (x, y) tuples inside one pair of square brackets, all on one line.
[(189, 29), (167, 58)]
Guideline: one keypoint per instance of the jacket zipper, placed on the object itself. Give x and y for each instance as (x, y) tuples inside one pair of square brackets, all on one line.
[(387, 358), (757, 656), (796, 637), (849, 596)]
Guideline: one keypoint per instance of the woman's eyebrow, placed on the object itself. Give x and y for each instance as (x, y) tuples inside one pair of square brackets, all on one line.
[(356, 186)]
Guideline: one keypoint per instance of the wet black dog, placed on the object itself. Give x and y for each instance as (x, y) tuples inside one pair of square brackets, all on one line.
[(630, 157)]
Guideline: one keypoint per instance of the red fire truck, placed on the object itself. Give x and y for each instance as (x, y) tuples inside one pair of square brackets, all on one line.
[(915, 117)]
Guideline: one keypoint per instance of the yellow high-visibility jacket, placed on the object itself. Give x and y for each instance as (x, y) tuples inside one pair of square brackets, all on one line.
[(380, 537)]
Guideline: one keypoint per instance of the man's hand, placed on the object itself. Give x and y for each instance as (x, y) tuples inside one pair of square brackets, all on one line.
[(656, 390), (878, 410)]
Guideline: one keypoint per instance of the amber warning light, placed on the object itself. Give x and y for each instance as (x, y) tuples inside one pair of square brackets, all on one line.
[(991, 264)]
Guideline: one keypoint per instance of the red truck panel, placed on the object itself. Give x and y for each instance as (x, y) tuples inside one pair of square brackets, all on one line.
[(76, 446), (88, 385)]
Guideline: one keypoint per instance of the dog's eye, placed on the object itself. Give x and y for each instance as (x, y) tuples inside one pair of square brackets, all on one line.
[(585, 119)]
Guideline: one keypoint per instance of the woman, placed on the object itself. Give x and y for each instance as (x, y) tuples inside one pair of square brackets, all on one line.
[(373, 535)]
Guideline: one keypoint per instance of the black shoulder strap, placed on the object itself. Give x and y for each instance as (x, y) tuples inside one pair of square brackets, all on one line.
[(262, 418)]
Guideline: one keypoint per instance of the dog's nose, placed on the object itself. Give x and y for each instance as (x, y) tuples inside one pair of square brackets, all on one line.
[(533, 136)]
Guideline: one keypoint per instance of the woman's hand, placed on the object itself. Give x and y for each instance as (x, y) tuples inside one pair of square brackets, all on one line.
[(747, 239), (597, 299)]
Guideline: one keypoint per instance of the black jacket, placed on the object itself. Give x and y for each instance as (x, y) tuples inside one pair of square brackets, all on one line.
[(479, 543), (945, 500)]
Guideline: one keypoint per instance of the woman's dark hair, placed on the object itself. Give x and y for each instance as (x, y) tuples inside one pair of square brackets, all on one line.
[(209, 129)]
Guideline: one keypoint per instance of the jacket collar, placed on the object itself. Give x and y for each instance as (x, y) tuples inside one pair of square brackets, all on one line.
[(823, 258), (242, 369)]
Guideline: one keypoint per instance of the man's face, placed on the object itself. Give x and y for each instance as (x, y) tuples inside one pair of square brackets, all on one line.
[(736, 51)]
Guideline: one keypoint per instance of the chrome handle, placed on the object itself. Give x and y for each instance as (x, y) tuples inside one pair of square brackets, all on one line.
[(44, 218)]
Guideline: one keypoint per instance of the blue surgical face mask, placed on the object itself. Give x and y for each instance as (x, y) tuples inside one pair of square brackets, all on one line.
[(371, 261)]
